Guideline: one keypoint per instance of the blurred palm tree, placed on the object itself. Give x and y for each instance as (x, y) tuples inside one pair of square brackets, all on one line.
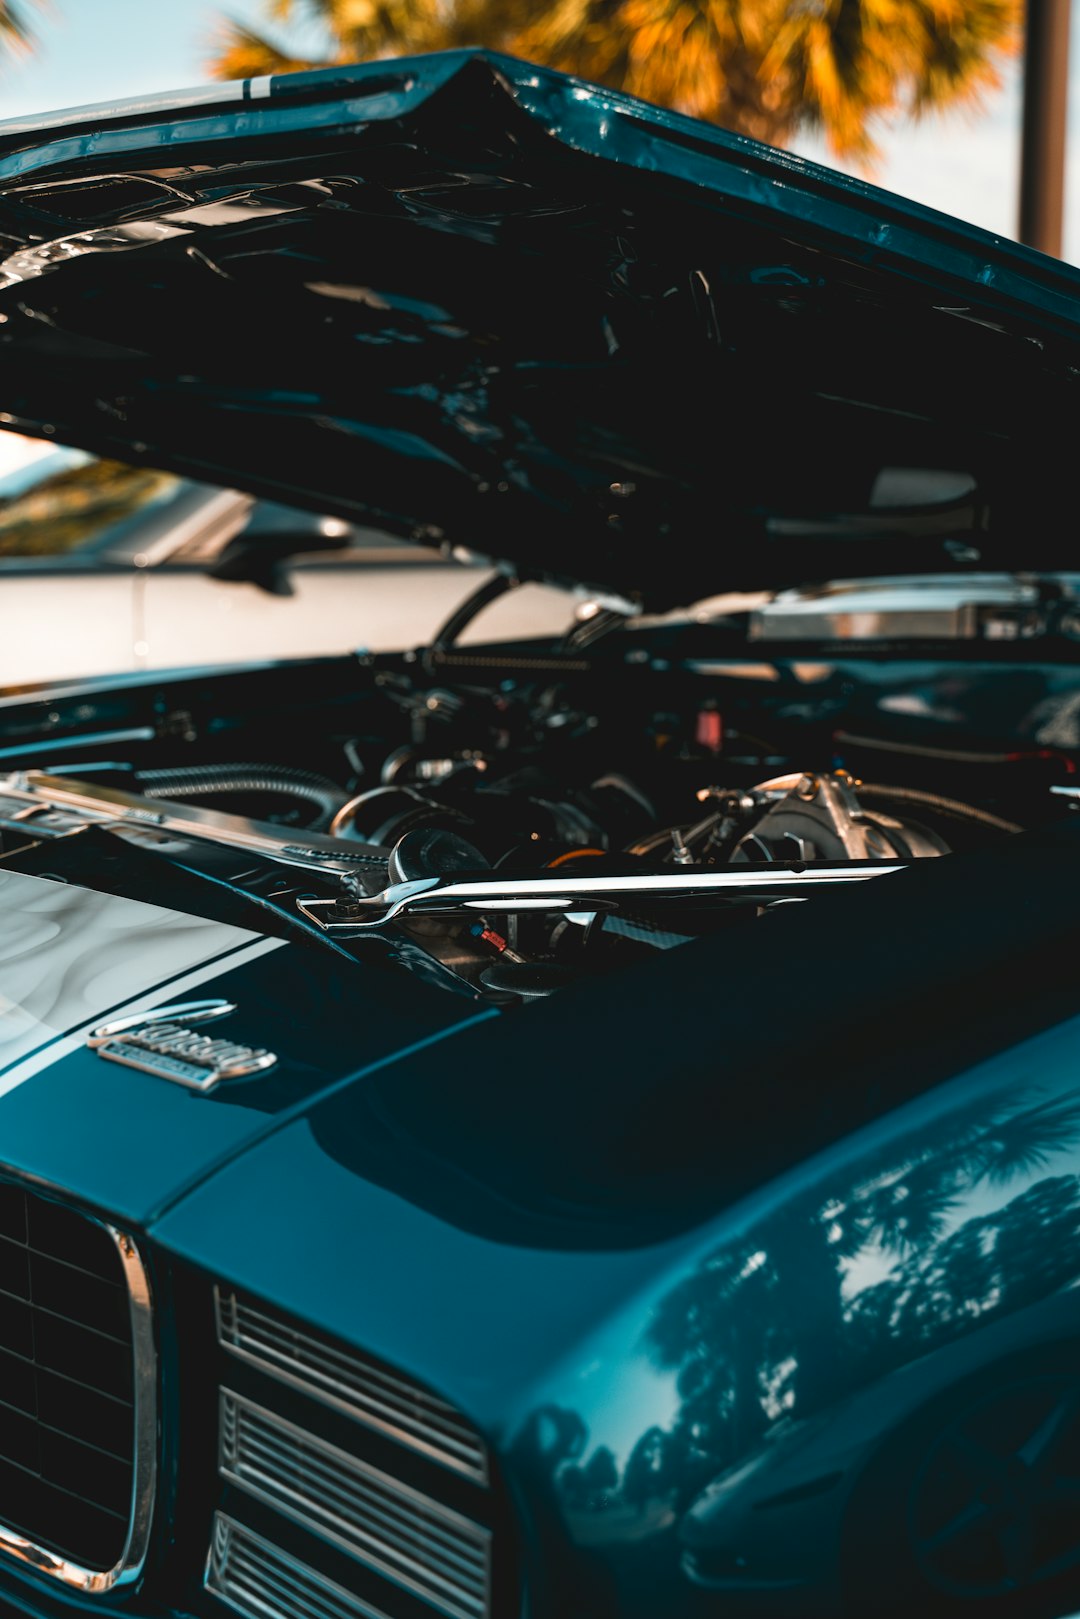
[(16, 30), (766, 68)]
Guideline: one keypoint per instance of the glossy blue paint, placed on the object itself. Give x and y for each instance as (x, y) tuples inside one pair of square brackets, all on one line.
[(128, 1143), (731, 1412)]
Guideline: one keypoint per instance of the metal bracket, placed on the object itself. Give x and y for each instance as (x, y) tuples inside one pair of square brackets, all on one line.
[(433, 896)]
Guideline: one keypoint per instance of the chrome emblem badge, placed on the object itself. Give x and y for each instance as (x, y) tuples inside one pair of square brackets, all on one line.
[(162, 1042)]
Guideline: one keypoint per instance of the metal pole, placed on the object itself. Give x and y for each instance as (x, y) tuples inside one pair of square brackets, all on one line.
[(1042, 152)]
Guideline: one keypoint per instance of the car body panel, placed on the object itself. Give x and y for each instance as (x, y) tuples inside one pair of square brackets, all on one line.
[(67, 624), (791, 1289), (128, 1142), (663, 1273), (362, 604), (793, 1300), (63, 624)]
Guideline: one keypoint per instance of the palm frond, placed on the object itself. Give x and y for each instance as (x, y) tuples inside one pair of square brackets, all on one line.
[(241, 53), (16, 26), (760, 67)]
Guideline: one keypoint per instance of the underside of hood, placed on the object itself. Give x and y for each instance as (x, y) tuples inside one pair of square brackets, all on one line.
[(486, 306)]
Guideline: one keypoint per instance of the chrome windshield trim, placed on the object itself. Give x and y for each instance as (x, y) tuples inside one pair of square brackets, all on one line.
[(144, 1459), (428, 896), (152, 105)]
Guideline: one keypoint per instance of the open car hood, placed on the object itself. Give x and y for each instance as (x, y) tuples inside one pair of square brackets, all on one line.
[(483, 305)]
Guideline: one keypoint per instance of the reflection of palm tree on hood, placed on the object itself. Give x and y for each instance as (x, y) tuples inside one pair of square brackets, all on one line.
[(764, 1328), (909, 1203), (760, 67), (994, 1262)]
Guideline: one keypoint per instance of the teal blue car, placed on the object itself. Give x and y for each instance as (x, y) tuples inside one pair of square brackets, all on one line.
[(562, 1126)]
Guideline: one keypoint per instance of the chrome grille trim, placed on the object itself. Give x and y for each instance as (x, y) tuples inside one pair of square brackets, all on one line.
[(143, 1405), (386, 1525), (262, 1582), (347, 1381)]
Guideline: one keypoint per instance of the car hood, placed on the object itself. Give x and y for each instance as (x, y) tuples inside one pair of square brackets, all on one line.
[(484, 305), (129, 1141)]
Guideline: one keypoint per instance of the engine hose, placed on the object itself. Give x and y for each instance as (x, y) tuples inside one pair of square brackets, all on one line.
[(323, 796), (951, 807)]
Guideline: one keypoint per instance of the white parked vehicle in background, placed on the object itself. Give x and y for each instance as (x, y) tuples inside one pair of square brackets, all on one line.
[(107, 567)]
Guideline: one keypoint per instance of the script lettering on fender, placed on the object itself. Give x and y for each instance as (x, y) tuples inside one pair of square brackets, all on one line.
[(164, 1043)]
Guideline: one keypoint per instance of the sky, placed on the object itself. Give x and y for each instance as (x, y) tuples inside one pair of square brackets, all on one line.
[(96, 50)]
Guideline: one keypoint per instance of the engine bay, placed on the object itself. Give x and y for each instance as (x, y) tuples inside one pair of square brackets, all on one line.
[(506, 824)]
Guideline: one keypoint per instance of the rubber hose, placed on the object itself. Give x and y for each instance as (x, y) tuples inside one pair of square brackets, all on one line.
[(204, 781), (952, 807)]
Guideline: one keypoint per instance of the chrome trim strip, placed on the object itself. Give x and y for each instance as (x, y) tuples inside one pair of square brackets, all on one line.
[(445, 1577), (192, 1011), (427, 896), (144, 1459), (307, 1379), (152, 105)]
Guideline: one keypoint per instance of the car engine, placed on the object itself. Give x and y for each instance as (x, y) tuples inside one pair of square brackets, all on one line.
[(442, 817), (507, 836)]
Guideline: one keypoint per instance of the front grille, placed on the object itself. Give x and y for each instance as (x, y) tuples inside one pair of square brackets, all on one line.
[(73, 1451), (352, 1383), (258, 1580), (396, 1530)]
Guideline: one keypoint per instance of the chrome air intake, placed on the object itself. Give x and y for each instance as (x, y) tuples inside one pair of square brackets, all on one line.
[(347, 1487), (351, 1383), (260, 1580), (78, 1427), (396, 1530)]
